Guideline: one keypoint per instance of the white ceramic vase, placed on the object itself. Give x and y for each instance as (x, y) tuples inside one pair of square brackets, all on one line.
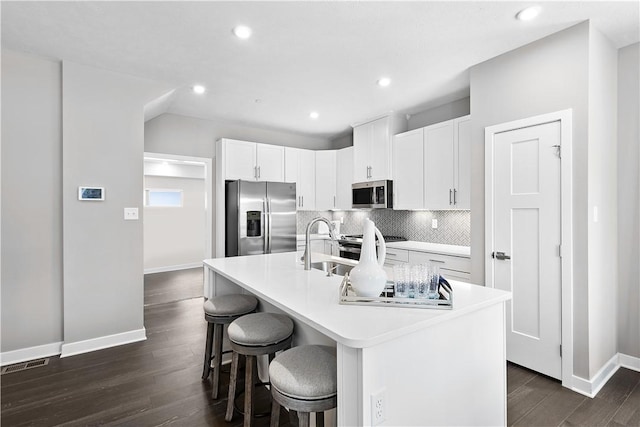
[(368, 278)]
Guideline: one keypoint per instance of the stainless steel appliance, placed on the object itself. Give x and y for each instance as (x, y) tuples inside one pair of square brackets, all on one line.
[(373, 194), (260, 217), (351, 245)]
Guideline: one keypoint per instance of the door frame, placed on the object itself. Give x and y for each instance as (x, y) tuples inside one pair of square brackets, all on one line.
[(208, 189), (566, 214)]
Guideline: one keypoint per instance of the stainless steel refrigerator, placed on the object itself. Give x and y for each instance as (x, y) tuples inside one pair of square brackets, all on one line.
[(260, 217)]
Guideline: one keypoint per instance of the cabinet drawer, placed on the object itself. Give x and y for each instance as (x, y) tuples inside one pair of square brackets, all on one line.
[(400, 255), (448, 262), (455, 275)]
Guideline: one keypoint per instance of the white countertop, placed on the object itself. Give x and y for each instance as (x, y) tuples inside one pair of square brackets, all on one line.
[(312, 298), (437, 248)]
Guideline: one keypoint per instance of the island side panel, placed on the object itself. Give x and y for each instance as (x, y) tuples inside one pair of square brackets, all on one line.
[(453, 373), (350, 405)]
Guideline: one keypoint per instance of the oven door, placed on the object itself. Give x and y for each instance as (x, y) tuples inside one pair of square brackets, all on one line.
[(350, 252)]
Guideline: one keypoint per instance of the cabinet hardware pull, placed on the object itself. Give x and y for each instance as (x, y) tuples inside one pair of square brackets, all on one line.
[(450, 196), (437, 260), (455, 202), (258, 172)]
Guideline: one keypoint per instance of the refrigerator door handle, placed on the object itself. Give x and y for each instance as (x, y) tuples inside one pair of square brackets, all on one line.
[(269, 225), (266, 225)]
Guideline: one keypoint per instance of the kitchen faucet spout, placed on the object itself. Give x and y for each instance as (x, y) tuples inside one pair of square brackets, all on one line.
[(307, 246)]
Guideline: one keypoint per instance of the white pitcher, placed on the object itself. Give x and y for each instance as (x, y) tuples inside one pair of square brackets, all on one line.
[(368, 278)]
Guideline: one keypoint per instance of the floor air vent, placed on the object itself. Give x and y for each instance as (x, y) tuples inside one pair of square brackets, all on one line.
[(25, 365)]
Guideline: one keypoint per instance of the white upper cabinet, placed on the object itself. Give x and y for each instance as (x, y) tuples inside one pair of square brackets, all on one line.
[(432, 166), (372, 148), (300, 167), (325, 180), (438, 166), (408, 170), (344, 178), (462, 152), (447, 164), (270, 162), (253, 161)]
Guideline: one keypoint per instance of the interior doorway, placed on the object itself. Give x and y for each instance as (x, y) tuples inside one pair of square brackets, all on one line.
[(528, 247), (177, 225)]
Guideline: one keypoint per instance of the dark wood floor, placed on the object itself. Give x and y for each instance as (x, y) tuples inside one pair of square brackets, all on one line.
[(157, 382), (170, 286)]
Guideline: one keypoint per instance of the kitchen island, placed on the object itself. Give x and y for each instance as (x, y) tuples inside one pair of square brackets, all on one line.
[(429, 367)]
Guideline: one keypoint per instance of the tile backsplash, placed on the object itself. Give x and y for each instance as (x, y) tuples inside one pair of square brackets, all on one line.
[(454, 227)]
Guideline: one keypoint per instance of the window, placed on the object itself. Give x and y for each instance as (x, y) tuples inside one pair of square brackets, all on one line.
[(155, 197)]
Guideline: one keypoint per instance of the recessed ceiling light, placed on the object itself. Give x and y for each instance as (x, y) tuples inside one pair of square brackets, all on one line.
[(314, 115), (384, 81), (528, 14), (242, 32), (199, 89)]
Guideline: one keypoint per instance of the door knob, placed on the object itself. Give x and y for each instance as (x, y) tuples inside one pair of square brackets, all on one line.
[(499, 255)]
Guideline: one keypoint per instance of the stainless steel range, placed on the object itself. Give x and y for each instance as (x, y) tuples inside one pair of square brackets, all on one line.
[(351, 245)]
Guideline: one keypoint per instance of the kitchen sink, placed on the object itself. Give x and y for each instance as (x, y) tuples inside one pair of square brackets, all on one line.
[(332, 267)]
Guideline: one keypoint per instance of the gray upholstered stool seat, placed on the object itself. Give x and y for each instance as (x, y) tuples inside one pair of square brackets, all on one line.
[(219, 311), (254, 335), (305, 380)]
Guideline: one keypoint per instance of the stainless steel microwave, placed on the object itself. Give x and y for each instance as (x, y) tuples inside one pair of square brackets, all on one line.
[(372, 194)]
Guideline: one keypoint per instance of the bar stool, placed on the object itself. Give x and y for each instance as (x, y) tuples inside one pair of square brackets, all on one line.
[(219, 311), (251, 336), (304, 379)]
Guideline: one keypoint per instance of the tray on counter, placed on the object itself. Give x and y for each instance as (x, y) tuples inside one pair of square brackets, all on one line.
[(348, 296)]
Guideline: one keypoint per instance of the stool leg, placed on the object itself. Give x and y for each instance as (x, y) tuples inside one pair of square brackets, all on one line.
[(320, 419), (217, 358), (249, 388), (303, 418), (275, 413), (232, 386), (207, 352)]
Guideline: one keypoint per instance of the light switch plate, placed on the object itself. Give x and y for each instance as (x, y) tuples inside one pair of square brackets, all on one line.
[(130, 214), (434, 223)]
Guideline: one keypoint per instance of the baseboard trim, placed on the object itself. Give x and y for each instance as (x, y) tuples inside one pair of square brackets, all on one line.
[(172, 268), (86, 346), (630, 362), (30, 353), (591, 387)]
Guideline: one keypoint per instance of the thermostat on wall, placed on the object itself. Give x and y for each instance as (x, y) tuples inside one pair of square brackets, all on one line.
[(90, 193)]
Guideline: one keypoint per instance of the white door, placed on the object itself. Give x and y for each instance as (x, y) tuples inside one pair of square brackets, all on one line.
[(438, 166), (361, 152), (526, 243), (270, 162), (408, 170), (240, 160), (380, 146), (306, 184), (325, 180)]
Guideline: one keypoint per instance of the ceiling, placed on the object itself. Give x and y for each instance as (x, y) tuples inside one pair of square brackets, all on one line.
[(302, 56)]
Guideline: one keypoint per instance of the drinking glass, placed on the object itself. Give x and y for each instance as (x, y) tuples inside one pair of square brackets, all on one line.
[(434, 282), (422, 284), (400, 281)]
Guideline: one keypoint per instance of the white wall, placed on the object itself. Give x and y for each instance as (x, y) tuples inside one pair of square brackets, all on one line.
[(174, 237), (602, 185), (451, 110), (188, 136), (103, 145), (31, 202), (629, 200), (548, 75)]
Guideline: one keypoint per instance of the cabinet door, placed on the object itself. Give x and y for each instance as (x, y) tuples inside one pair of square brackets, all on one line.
[(438, 166), (325, 180), (380, 150), (306, 184), (361, 149), (344, 178), (408, 168), (240, 159), (462, 164), (290, 164), (270, 162)]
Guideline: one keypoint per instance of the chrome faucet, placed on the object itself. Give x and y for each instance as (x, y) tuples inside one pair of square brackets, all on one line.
[(307, 246)]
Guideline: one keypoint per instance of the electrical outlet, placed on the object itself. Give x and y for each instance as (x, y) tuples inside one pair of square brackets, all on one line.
[(131, 214), (378, 410), (434, 223)]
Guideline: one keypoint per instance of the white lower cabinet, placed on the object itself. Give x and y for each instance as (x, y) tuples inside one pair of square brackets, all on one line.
[(396, 256), (455, 267)]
